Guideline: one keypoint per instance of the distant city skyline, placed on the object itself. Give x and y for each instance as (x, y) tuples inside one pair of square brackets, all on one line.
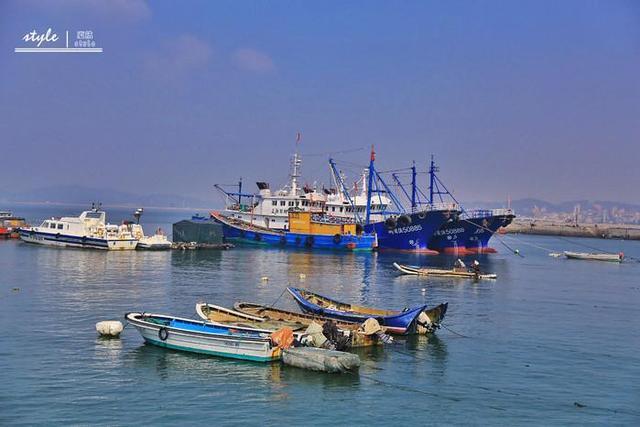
[(515, 99)]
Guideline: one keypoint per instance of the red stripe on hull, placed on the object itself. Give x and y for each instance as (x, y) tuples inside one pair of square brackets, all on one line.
[(410, 251)]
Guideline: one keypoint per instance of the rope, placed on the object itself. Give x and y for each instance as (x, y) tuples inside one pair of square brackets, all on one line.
[(278, 299), (452, 331), (514, 251)]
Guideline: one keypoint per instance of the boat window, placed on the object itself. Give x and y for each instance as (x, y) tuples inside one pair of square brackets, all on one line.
[(297, 203), (340, 208), (93, 215), (274, 203), (60, 226), (290, 203), (52, 225), (282, 203)]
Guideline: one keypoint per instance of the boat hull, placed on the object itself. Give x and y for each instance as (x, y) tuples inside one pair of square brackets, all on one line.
[(469, 235), (198, 340), (412, 236), (260, 324), (419, 271), (63, 240), (402, 323), (241, 234), (594, 257)]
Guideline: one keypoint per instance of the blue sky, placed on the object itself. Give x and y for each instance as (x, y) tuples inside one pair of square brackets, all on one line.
[(537, 98)]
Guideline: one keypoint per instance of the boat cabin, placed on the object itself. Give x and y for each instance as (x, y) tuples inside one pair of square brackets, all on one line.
[(306, 222)]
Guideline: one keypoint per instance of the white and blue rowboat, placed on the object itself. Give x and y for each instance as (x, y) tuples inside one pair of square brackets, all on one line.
[(203, 337)]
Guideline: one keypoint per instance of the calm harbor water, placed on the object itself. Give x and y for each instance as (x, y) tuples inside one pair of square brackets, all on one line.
[(551, 341)]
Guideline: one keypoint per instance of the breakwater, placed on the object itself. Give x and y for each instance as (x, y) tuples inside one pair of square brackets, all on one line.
[(551, 228)]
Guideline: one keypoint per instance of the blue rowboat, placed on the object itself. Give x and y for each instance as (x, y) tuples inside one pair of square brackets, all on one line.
[(409, 321), (202, 337)]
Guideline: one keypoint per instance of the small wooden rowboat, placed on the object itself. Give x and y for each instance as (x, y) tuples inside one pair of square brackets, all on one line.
[(409, 321), (426, 271), (268, 323), (595, 256), (203, 337)]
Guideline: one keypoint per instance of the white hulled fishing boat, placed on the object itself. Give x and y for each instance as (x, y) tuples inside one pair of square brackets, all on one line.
[(270, 209), (88, 230)]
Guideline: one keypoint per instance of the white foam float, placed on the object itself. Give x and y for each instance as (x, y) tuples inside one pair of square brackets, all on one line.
[(109, 328)]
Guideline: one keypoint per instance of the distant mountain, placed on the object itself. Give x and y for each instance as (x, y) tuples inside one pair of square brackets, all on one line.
[(527, 207), (72, 194)]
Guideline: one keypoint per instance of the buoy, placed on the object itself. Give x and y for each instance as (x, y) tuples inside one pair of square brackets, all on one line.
[(109, 328), (264, 278), (424, 290)]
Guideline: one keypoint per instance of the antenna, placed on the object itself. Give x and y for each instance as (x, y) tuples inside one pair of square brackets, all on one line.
[(137, 214)]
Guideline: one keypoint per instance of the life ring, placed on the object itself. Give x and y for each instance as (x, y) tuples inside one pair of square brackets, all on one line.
[(390, 223), (404, 220), (163, 334), (422, 215), (57, 235), (337, 238), (309, 241)]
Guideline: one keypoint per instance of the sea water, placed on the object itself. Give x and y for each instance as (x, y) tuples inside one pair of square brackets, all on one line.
[(551, 341)]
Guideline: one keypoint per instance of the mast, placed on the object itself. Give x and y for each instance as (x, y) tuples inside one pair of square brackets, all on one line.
[(370, 184), (413, 187), (240, 193), (342, 186), (295, 167), (432, 171)]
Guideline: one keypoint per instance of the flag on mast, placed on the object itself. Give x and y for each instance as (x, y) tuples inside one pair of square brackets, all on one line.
[(298, 137)]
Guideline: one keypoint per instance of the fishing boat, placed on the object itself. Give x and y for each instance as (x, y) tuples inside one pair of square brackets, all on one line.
[(88, 230), (203, 337), (396, 227), (595, 256), (471, 230), (428, 271), (278, 314), (408, 321), (354, 333), (369, 203), (310, 230), (10, 224)]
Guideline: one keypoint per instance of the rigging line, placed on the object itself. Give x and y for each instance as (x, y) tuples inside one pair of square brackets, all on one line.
[(514, 251), (452, 331), (581, 244), (331, 153), (280, 296), (530, 244)]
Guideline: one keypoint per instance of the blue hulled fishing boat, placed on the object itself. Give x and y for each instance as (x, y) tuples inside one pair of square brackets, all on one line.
[(396, 228), (408, 321), (471, 230), (307, 230)]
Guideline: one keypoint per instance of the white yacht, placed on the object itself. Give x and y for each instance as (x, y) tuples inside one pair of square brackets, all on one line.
[(89, 230), (157, 242)]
